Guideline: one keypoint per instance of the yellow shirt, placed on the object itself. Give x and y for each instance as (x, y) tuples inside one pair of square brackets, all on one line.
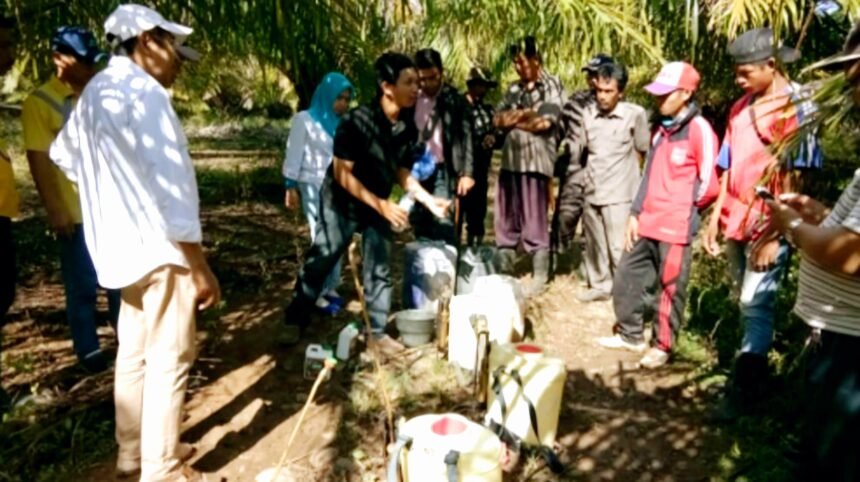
[(8, 194), (43, 114)]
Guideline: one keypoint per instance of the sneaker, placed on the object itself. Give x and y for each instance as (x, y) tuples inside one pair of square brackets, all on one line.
[(654, 358), (127, 470), (593, 295), (616, 342), (335, 299), (326, 307)]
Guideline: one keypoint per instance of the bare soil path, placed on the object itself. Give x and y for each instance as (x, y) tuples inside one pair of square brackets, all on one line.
[(246, 390)]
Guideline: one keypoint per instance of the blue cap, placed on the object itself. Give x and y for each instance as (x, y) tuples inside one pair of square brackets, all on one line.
[(79, 42)]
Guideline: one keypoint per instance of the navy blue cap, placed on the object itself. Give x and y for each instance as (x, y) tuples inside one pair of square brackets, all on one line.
[(596, 62), (79, 42)]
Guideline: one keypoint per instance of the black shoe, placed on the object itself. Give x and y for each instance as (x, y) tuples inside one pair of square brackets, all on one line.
[(95, 362), (5, 403), (729, 408), (505, 259), (745, 389), (297, 317)]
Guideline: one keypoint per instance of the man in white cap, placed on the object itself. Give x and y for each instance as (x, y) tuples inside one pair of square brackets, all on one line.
[(125, 148)]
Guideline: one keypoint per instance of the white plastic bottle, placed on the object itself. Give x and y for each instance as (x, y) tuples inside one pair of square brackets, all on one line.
[(407, 202), (346, 340)]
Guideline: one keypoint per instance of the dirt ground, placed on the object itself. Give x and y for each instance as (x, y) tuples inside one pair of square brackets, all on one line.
[(246, 390)]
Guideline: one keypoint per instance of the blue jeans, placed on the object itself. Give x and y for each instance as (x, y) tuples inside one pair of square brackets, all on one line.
[(310, 195), (334, 234), (81, 284), (757, 294)]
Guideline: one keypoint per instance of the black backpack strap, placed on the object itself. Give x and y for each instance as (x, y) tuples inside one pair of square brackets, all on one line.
[(545, 451), (497, 390), (552, 460)]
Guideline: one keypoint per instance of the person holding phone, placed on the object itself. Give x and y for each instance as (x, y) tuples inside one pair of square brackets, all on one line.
[(770, 110), (828, 300)]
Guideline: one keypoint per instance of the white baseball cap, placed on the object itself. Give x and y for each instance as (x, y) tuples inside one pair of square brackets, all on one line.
[(130, 20)]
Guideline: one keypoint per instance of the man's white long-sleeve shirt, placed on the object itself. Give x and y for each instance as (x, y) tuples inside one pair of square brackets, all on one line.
[(124, 147)]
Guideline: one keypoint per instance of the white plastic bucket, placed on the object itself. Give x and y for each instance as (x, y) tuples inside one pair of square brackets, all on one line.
[(444, 448)]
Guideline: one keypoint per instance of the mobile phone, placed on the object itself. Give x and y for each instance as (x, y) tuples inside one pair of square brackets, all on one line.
[(764, 193)]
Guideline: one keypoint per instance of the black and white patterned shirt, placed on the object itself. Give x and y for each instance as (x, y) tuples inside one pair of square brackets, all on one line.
[(526, 151)]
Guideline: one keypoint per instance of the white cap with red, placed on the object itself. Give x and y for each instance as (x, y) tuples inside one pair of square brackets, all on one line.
[(674, 76)]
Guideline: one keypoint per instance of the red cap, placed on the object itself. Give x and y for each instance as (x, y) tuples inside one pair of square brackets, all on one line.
[(674, 76)]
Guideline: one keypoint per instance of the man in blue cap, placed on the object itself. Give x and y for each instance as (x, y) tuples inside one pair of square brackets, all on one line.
[(75, 55), (571, 192)]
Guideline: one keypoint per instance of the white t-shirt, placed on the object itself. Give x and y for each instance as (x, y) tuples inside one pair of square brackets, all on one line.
[(827, 300), (124, 147)]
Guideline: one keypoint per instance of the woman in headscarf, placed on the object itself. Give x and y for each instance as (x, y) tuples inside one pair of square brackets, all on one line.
[(309, 153)]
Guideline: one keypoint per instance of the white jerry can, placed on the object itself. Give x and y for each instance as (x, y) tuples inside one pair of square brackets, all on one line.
[(498, 300), (445, 448), (525, 391), (508, 302)]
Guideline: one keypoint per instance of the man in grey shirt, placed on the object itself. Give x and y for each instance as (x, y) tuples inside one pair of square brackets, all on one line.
[(614, 135), (528, 113)]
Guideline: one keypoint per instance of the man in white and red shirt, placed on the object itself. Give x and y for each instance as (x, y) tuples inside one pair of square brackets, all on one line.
[(679, 181)]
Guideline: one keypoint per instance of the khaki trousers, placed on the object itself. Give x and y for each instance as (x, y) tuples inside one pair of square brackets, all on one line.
[(604, 228), (156, 349)]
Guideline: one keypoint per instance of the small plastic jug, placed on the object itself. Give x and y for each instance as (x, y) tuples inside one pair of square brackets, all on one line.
[(346, 340), (315, 357)]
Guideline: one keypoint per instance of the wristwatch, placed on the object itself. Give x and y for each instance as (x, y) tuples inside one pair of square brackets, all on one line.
[(792, 227)]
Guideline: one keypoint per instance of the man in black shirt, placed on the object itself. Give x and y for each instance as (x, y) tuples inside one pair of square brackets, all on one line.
[(374, 147)]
